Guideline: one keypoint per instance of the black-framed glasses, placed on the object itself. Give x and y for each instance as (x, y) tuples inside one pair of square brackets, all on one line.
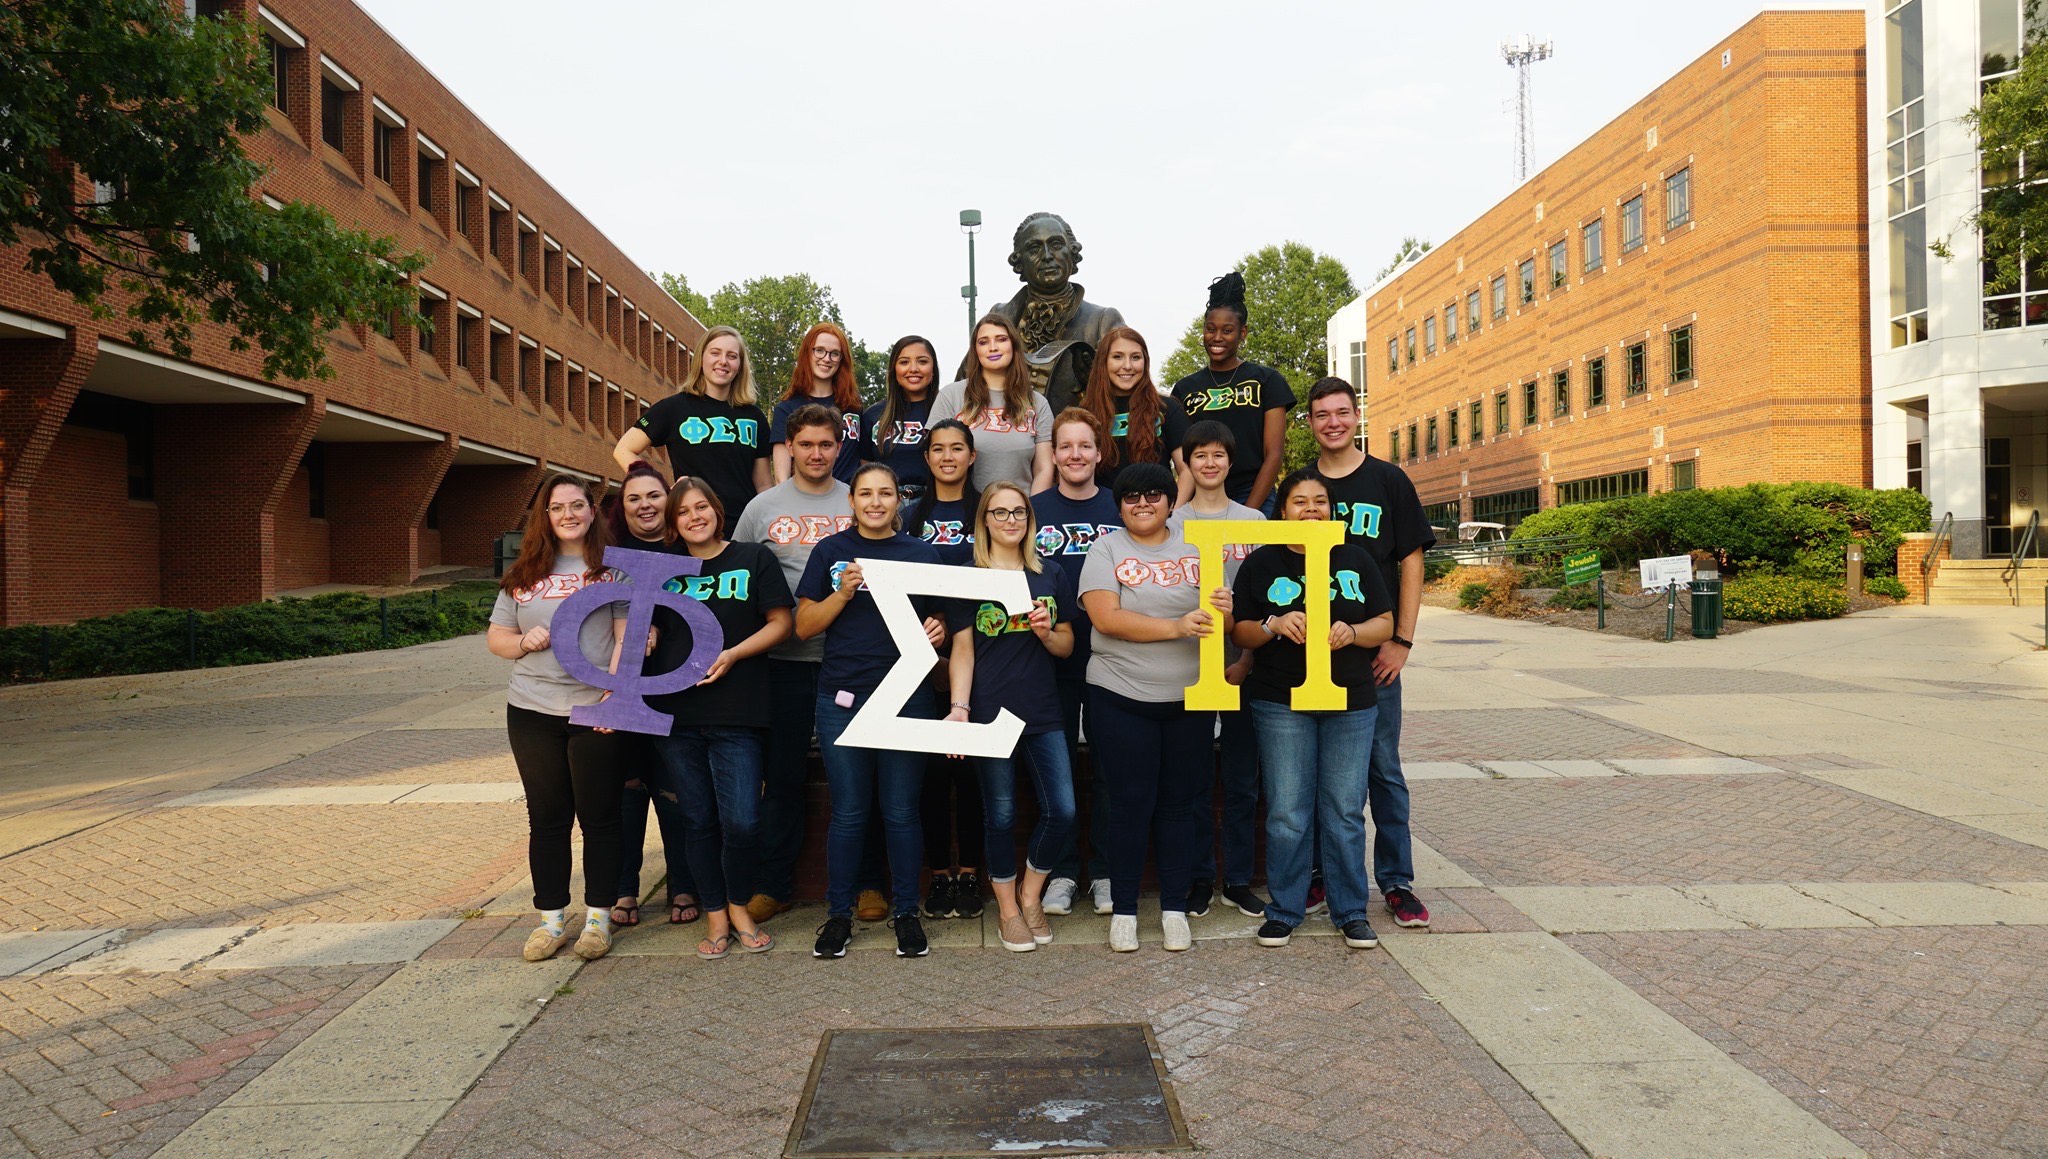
[(1008, 514)]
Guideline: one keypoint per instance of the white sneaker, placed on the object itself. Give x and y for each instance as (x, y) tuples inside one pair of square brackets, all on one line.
[(1100, 888), (1123, 933), (1059, 896), (1175, 924)]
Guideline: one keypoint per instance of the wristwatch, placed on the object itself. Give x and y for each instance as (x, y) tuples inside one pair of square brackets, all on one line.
[(1405, 643)]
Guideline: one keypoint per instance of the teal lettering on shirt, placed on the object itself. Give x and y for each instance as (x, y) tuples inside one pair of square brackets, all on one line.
[(726, 585), (1361, 518)]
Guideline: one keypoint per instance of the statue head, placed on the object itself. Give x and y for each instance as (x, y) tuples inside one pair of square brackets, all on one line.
[(1044, 252)]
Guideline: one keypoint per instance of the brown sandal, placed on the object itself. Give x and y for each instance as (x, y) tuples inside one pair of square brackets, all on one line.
[(630, 909), (683, 909)]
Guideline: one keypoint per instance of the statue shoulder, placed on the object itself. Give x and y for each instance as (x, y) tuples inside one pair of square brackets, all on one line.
[(1095, 320)]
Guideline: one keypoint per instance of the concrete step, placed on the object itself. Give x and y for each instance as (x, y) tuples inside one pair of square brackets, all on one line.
[(1974, 600), (1998, 564), (1986, 579)]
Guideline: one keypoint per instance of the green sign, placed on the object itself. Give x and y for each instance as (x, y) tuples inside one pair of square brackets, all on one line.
[(1582, 567)]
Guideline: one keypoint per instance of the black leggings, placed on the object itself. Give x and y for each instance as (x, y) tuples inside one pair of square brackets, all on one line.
[(571, 774), (951, 806)]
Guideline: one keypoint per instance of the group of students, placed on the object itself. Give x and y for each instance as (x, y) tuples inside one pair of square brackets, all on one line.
[(1089, 506)]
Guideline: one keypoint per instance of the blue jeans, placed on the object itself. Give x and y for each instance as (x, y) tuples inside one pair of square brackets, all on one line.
[(1314, 785), (1155, 756), (647, 774), (856, 776), (1239, 762), (792, 700), (1393, 853), (715, 774), (1045, 754)]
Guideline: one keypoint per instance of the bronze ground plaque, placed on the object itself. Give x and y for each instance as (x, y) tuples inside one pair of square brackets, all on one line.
[(1000, 1090)]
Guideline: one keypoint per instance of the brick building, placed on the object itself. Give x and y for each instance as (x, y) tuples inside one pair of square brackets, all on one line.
[(133, 479), (1679, 301)]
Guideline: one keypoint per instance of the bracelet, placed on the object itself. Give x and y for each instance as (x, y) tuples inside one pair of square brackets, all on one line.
[(1409, 644), (963, 707), (1266, 626)]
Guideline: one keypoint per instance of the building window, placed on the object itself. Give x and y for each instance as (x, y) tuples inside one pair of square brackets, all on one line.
[(1528, 274), (1681, 354), (333, 114), (1632, 224), (1472, 311), (1509, 508), (1357, 365), (1500, 297), (1411, 345), (1638, 373), (1561, 393), (425, 335), (280, 75), (316, 480), (1442, 517), (465, 339), (500, 230), (1593, 239), (1432, 435), (1596, 382), (1560, 264), (465, 206), (1414, 444), (429, 169), (1616, 486), (1429, 334), (1529, 403), (1678, 198), (1451, 325), (1451, 427), (1914, 475), (1394, 445), (383, 138), (1905, 174), (1500, 413), (1684, 475), (1478, 421), (1393, 355)]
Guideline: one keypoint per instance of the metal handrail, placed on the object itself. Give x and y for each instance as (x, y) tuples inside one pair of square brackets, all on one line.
[(1942, 534), (2010, 576)]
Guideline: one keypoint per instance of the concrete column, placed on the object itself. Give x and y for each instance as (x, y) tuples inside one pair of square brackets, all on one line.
[(478, 504), (221, 472), (377, 496), (1954, 455), (39, 380)]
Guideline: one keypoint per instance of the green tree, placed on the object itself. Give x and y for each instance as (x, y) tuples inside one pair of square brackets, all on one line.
[(148, 109), (1290, 292), (1410, 247), (772, 313), (2012, 130)]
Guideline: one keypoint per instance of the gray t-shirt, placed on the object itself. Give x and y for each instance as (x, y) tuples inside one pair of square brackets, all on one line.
[(1162, 581), (1002, 450), (792, 522), (538, 682), (1233, 553)]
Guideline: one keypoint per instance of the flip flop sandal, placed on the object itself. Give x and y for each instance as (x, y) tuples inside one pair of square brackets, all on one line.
[(720, 946), (766, 943), (683, 909), (631, 910)]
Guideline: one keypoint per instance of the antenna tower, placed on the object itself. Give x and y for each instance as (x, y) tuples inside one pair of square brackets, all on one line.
[(1520, 55)]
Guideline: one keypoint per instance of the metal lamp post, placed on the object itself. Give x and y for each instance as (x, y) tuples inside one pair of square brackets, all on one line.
[(970, 224)]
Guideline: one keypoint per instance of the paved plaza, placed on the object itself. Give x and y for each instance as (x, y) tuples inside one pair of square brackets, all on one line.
[(1779, 894)]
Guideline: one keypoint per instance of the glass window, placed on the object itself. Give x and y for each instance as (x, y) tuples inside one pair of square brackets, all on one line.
[(1528, 273), (1596, 382), (1411, 346), (465, 201), (1529, 403), (1560, 264), (382, 137), (1472, 311), (1906, 159), (1429, 334), (1500, 296), (1358, 364), (1681, 354), (280, 75), (1509, 508), (1451, 324), (1595, 490), (1500, 413), (1478, 420), (1914, 474), (429, 173), (1451, 427), (1632, 224), (1903, 74), (425, 335), (1678, 198), (1684, 475), (1414, 443), (1595, 253), (1394, 445), (465, 339), (1638, 372), (1393, 355), (333, 113), (1432, 435), (1561, 393)]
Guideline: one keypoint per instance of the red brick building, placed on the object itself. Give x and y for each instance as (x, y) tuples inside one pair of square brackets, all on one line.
[(1679, 301), (133, 479)]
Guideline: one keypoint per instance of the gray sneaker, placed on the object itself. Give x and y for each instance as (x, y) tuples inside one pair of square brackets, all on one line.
[(1059, 895), (1100, 889)]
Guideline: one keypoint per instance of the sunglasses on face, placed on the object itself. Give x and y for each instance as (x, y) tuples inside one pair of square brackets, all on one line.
[(1153, 497)]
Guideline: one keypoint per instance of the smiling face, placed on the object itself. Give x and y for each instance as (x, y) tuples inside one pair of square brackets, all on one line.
[(1045, 255), (874, 502), (642, 500), (1126, 365), (696, 519), (1145, 512), (1211, 465), (993, 347), (1222, 334), (570, 514), (721, 360), (1309, 500), (813, 450), (915, 367), (1007, 518), (948, 456), (1334, 419), (1075, 452), (826, 355)]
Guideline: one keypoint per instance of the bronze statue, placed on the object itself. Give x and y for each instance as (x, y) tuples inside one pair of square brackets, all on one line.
[(1061, 327)]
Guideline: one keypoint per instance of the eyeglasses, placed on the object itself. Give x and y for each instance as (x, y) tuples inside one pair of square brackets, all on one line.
[(1154, 497), (576, 508), (827, 355), (1008, 514)]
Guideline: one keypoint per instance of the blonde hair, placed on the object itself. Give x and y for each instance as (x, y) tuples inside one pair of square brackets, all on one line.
[(1030, 553), (741, 392)]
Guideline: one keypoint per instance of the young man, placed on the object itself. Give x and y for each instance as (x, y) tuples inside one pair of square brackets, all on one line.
[(1381, 513), (1209, 449), (1071, 517), (791, 518)]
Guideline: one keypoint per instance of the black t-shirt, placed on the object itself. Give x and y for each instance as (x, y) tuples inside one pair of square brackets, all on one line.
[(712, 440), (1012, 669), (905, 453), (849, 434), (1382, 514), (949, 526), (739, 586), (1067, 528), (858, 650), (1270, 584), (1239, 400)]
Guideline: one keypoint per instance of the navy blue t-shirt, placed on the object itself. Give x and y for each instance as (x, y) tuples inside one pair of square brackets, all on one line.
[(949, 526), (858, 650), (849, 434), (905, 452), (1067, 528), (1012, 669)]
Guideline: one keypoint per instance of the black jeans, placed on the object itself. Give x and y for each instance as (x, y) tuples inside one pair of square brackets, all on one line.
[(643, 771), (792, 696), (1155, 756), (951, 806), (571, 774)]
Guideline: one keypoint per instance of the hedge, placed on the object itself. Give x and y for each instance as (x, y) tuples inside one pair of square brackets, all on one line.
[(155, 639), (1767, 599), (1801, 529)]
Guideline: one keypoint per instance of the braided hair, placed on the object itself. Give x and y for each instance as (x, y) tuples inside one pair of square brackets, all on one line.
[(1227, 293)]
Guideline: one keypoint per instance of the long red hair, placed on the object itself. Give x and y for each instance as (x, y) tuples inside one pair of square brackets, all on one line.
[(845, 391), (1099, 399), (538, 547)]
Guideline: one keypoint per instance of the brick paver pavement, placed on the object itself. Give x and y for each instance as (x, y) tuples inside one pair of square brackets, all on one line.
[(247, 712), (426, 756), (1529, 734)]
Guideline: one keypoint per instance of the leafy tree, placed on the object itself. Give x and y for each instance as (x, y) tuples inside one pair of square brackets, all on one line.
[(2012, 130), (772, 313), (122, 168), (1410, 248), (1290, 292)]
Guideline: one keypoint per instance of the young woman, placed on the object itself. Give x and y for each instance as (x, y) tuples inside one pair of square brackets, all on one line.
[(712, 755), (570, 773), (1011, 421), (712, 427), (1141, 588), (1252, 400), (892, 431), (944, 515), (833, 603), (824, 375), (635, 521), (1005, 661), (1120, 394), (1315, 777)]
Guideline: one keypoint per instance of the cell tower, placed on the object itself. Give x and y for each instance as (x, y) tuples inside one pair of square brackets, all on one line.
[(1520, 55)]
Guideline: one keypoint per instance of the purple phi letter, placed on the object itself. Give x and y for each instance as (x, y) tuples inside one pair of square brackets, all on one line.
[(627, 710)]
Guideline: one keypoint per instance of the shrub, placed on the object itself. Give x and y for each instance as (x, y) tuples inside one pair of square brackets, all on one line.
[(1472, 594), (1576, 598), (1885, 585), (1767, 599), (1436, 566)]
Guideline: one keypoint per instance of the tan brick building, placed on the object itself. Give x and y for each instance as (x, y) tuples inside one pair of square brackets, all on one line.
[(133, 479), (1679, 301)]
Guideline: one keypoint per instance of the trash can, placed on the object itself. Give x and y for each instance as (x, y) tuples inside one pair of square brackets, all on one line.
[(507, 550), (1706, 605)]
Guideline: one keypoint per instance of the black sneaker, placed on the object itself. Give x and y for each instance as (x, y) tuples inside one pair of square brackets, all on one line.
[(1408, 909), (967, 900), (938, 900), (1359, 936), (1248, 903), (910, 939), (832, 938), (1199, 894), (1275, 933)]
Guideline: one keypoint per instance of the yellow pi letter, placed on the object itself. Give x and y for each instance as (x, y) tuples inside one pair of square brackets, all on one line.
[(1212, 693)]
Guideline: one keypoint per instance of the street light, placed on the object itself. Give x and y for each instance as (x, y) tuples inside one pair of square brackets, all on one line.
[(970, 224)]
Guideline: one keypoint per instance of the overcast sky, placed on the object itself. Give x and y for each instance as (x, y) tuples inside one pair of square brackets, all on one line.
[(727, 141)]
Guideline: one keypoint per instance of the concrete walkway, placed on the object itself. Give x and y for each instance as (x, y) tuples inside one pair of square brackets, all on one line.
[(1784, 893)]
